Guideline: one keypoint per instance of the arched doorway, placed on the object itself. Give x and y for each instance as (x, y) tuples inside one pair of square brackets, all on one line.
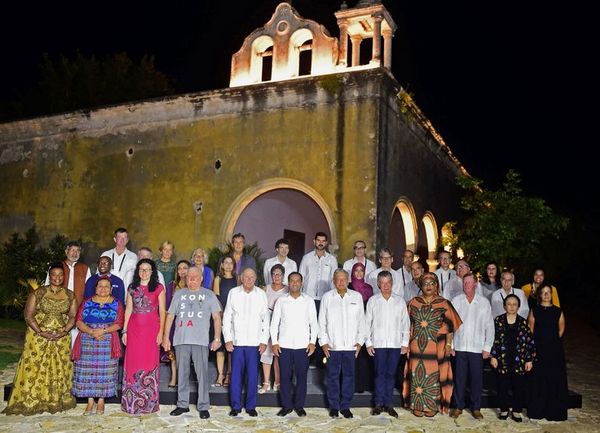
[(279, 208), (402, 230), (431, 237)]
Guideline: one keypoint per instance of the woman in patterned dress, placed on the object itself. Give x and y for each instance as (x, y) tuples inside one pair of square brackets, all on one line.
[(45, 372), (512, 357), (144, 320), (428, 378), (97, 347)]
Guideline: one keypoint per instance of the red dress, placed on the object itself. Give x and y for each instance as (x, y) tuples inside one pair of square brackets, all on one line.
[(141, 367)]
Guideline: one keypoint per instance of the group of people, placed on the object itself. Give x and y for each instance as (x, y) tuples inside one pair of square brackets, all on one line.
[(429, 332)]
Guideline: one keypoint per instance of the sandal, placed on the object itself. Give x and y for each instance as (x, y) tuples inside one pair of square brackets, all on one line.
[(226, 381), (266, 387), (219, 382), (275, 387)]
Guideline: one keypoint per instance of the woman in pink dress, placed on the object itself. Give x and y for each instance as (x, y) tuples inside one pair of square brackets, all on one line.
[(144, 322)]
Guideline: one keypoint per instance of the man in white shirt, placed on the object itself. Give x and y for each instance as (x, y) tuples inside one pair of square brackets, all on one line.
[(471, 345), (246, 333), (454, 287), (386, 258), (282, 246), (122, 258), (360, 248), (294, 330), (388, 331), (405, 271), (143, 253), (507, 279), (341, 335), (317, 268), (412, 289), (444, 273)]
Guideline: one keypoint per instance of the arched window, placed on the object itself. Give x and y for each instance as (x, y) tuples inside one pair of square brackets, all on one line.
[(261, 69), (301, 53)]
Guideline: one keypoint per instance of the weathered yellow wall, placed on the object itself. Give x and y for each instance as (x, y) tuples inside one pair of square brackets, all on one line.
[(83, 183)]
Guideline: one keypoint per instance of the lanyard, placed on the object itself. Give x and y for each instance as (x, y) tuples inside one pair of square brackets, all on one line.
[(502, 296), (113, 260)]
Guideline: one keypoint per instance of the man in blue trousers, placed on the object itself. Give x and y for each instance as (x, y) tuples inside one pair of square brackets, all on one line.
[(341, 335), (246, 333), (294, 330)]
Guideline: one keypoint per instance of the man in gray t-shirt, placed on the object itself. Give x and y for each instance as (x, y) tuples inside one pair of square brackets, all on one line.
[(190, 313)]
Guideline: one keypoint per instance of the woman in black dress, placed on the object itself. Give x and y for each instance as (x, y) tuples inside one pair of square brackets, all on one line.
[(548, 398), (222, 284)]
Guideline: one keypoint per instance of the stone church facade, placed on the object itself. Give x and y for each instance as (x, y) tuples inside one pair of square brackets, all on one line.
[(302, 125)]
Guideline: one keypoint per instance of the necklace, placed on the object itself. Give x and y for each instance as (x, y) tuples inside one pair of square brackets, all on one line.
[(55, 291)]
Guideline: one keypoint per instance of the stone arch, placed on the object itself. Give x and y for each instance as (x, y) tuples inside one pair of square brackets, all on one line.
[(404, 220), (431, 236), (260, 45), (297, 40), (250, 194)]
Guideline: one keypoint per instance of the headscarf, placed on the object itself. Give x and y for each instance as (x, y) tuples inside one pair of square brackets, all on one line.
[(365, 290)]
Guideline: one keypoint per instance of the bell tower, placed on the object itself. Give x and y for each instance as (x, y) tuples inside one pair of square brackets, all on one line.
[(369, 19)]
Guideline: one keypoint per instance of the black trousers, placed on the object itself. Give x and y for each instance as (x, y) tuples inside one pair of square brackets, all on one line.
[(516, 384)]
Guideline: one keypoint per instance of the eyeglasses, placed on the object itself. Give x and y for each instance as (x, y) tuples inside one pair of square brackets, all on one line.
[(385, 257), (359, 248), (429, 283), (145, 269), (278, 274)]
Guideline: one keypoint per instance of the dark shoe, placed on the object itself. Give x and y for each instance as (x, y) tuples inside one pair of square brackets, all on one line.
[(204, 414), (300, 411), (251, 412), (391, 412), (333, 413), (178, 411), (455, 413), (234, 412), (377, 410), (284, 412), (516, 417), (503, 415), (477, 414), (346, 413)]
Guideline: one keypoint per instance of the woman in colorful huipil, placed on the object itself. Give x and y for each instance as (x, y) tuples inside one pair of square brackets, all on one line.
[(144, 320), (428, 378), (97, 348), (45, 372)]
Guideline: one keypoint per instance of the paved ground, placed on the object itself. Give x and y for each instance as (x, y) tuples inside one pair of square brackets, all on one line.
[(583, 353)]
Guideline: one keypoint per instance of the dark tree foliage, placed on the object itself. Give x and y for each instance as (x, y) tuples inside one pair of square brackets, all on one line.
[(82, 82), (504, 225), (24, 262)]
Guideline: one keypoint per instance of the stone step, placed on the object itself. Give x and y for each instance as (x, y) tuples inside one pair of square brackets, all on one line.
[(316, 391)]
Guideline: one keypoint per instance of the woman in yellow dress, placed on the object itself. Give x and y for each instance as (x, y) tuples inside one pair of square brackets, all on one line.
[(45, 372)]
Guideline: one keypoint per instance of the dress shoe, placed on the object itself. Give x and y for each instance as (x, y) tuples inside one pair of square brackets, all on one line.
[(204, 414), (391, 412), (334, 413), (234, 412), (346, 413), (503, 415), (376, 410), (178, 411), (300, 411), (455, 413), (284, 412), (251, 412), (516, 417), (477, 414)]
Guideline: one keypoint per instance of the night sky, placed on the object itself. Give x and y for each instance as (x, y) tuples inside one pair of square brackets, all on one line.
[(507, 84)]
